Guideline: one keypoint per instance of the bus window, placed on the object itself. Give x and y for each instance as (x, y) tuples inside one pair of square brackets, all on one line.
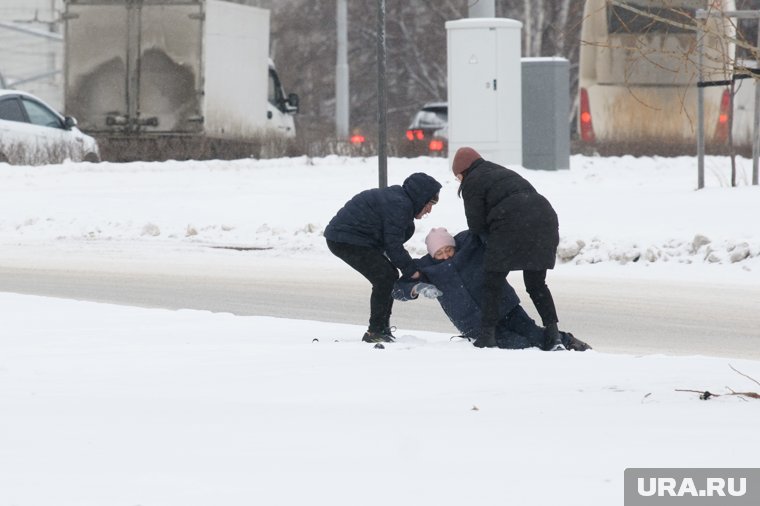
[(637, 74), (621, 20)]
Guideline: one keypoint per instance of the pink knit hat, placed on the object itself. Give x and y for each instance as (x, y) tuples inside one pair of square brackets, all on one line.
[(437, 239)]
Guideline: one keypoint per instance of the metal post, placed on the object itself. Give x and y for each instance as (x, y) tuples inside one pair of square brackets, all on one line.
[(382, 156), (133, 66), (700, 103), (341, 74), (756, 126), (702, 15), (481, 9)]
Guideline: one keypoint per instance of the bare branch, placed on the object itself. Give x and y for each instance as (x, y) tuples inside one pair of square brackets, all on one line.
[(686, 26), (746, 376), (444, 10), (706, 394)]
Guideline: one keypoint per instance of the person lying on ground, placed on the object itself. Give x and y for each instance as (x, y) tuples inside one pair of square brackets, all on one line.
[(453, 273)]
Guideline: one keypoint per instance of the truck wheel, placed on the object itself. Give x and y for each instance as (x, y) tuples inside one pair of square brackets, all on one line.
[(92, 158)]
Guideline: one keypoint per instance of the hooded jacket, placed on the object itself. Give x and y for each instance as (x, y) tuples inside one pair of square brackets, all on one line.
[(383, 218)]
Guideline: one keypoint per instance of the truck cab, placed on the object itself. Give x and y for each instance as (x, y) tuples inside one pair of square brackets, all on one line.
[(280, 107)]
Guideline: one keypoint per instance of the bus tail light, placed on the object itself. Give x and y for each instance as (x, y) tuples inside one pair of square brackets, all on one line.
[(721, 131), (587, 129)]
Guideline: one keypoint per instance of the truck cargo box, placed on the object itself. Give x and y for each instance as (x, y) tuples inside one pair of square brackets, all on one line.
[(167, 67)]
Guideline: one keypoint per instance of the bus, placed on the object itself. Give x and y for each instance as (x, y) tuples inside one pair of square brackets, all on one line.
[(638, 72)]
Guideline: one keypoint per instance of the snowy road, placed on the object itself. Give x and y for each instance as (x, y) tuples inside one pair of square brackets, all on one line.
[(614, 315)]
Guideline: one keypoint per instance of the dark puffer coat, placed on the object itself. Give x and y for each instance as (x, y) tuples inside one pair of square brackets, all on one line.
[(521, 225), (461, 280), (383, 218)]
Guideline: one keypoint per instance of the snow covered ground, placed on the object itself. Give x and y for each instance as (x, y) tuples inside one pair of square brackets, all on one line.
[(109, 405)]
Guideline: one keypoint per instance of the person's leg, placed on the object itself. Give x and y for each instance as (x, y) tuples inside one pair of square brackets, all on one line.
[(535, 284), (509, 340), (492, 288), (379, 271), (387, 328), (381, 299), (519, 322)]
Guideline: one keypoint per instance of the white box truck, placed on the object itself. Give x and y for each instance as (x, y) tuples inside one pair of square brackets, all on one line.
[(173, 67)]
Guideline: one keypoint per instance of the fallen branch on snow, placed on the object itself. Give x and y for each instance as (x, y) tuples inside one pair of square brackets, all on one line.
[(705, 395)]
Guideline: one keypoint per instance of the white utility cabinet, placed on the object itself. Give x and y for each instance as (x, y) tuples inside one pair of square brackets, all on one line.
[(485, 88)]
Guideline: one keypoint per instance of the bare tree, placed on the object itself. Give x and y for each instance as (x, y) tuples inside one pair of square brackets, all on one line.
[(304, 42)]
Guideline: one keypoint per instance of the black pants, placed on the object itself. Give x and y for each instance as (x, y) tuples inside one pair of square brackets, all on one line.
[(375, 266), (535, 284)]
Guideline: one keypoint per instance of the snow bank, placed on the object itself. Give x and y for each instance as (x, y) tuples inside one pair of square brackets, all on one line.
[(620, 211)]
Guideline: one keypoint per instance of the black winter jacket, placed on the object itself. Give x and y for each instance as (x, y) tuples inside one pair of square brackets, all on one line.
[(521, 225), (383, 218)]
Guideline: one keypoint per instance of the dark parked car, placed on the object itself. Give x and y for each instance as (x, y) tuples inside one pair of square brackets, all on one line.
[(428, 133)]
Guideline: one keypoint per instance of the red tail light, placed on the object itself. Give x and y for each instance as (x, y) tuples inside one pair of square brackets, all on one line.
[(415, 134), (721, 131), (587, 128), (436, 145), (357, 139)]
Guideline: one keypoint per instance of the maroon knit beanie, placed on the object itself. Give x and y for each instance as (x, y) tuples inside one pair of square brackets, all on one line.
[(463, 158)]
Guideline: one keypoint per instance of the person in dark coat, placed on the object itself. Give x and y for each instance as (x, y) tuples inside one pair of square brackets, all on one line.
[(453, 272), (522, 232), (369, 233)]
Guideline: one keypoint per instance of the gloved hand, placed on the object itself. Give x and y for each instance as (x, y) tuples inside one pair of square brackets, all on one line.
[(427, 290)]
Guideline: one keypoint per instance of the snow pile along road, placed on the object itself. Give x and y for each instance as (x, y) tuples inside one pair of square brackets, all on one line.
[(612, 210)]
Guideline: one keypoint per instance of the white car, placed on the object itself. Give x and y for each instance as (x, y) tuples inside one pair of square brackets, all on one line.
[(32, 132)]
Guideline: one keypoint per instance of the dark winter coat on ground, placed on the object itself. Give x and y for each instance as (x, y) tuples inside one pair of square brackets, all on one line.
[(461, 278), (518, 219), (383, 218)]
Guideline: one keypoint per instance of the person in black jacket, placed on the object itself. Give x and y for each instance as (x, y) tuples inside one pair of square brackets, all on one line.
[(522, 234), (452, 272), (369, 233)]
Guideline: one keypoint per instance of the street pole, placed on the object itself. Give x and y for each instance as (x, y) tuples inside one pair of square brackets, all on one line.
[(481, 9), (341, 74), (702, 16), (756, 123), (382, 156), (700, 102)]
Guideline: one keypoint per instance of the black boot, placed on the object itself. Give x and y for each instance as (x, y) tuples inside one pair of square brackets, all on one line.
[(487, 338), (575, 344), (388, 332), (376, 337), (552, 339)]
